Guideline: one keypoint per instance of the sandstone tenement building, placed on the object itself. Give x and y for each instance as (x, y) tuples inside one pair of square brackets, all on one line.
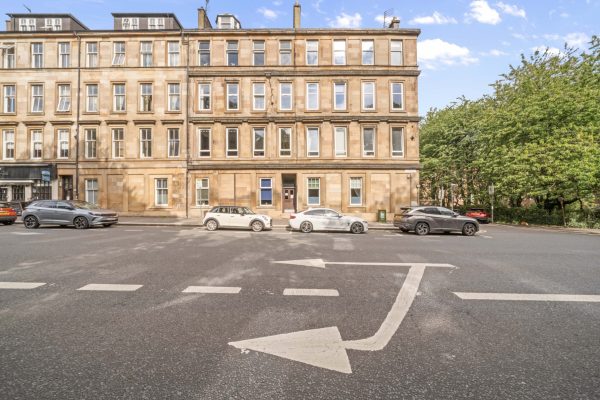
[(150, 118)]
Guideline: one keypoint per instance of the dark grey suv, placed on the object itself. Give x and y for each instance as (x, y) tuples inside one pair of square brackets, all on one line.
[(423, 220), (81, 214)]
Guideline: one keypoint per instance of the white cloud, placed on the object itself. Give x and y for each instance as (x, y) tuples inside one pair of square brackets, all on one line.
[(381, 18), (518, 36), (553, 51), (551, 36), (435, 52), (505, 43), (513, 10), (482, 12), (346, 21), (494, 53), (277, 3), (267, 13), (577, 39), (317, 6), (435, 19)]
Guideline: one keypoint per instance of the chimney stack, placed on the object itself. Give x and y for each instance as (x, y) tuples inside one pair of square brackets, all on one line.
[(297, 14), (203, 21), (395, 24)]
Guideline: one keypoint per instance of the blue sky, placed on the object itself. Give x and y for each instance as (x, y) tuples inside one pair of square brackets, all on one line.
[(464, 45)]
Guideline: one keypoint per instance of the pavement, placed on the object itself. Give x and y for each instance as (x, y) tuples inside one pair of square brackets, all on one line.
[(177, 312)]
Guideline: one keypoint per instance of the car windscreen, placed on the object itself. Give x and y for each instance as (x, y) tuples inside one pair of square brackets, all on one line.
[(84, 205)]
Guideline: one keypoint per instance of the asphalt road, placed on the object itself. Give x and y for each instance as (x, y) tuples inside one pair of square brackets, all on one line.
[(157, 342)]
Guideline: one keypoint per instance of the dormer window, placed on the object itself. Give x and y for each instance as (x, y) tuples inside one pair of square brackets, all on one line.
[(156, 23), (26, 24), (226, 23), (53, 24), (130, 24)]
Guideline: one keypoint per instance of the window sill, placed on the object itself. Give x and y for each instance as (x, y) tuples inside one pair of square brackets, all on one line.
[(155, 207), (173, 112), (146, 112), (62, 113)]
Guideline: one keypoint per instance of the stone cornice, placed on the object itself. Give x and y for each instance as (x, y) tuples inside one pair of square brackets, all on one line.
[(293, 165), (284, 119)]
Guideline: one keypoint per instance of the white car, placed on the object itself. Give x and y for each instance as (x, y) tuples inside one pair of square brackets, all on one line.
[(325, 219), (236, 217)]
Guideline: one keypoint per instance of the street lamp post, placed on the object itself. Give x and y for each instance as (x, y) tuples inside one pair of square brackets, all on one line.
[(418, 186)]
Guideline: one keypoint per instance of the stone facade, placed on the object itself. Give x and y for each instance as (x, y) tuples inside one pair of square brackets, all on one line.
[(176, 145)]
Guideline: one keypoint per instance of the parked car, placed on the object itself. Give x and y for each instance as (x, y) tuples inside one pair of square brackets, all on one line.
[(425, 219), (480, 214), (19, 206), (325, 219), (8, 215), (81, 214), (236, 217)]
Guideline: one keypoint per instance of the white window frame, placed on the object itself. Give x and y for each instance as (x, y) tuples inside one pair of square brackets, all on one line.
[(312, 51), (310, 153), (8, 144), (397, 153), (92, 101), (202, 184), (119, 53), (204, 95), (91, 190), (53, 24), (335, 105), (231, 152), (37, 55), (9, 103), (118, 142), (160, 191), (204, 153), (363, 92), (146, 52), (308, 94), (338, 52), (119, 96), (63, 143), (150, 96), (286, 129), (257, 51), (202, 51), (174, 97), (64, 55), (365, 152), (338, 151), (155, 23), (285, 51), (232, 51), (173, 143), (236, 95), (37, 138), (256, 152), (27, 25), (64, 97), (130, 24), (353, 185), (401, 93), (146, 142), (8, 55), (173, 54), (91, 143), (363, 51), (400, 52), (262, 185), (257, 96), (38, 96), (91, 54), (308, 188), (282, 95)]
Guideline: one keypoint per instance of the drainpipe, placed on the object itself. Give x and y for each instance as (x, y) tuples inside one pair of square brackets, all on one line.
[(187, 125), (78, 116)]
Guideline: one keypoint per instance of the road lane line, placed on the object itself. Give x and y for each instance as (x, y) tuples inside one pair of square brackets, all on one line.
[(26, 233), (20, 285), (109, 287), (133, 230), (529, 297), (311, 292), (212, 289)]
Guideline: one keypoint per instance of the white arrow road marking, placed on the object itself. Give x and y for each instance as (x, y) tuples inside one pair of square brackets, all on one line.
[(324, 348), (20, 285), (212, 289), (310, 292), (319, 263), (111, 287), (529, 297)]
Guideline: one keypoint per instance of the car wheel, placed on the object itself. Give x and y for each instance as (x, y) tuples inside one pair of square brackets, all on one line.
[(31, 222), (357, 227), (81, 223), (257, 226), (422, 228), (211, 225), (469, 229), (306, 227)]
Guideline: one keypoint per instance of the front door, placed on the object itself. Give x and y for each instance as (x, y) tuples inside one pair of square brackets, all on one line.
[(67, 187), (288, 200)]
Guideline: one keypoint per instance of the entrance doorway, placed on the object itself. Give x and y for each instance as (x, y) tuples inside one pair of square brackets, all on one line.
[(288, 193), (66, 183)]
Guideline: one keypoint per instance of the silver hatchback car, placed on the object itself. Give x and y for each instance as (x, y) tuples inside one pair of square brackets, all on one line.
[(80, 214), (423, 220)]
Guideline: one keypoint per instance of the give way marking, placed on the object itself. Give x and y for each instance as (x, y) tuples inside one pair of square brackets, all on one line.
[(324, 348)]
